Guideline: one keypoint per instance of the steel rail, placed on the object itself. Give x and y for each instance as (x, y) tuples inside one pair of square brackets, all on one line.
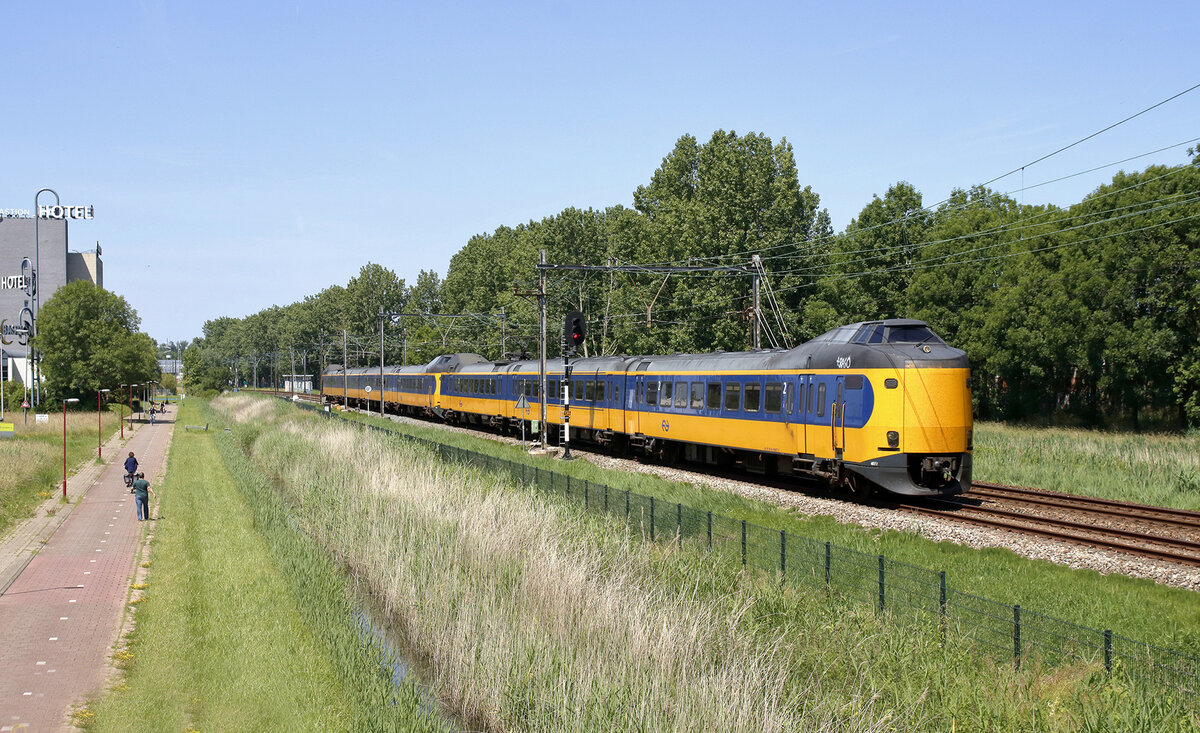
[(1053, 534), (1126, 510)]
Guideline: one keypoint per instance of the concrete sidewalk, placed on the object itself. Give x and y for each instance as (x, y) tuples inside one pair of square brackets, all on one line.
[(68, 577)]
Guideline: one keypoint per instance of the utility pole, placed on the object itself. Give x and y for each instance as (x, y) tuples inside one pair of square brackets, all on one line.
[(345, 368), (756, 318), (292, 379), (540, 294), (503, 321), (381, 315), (542, 346)]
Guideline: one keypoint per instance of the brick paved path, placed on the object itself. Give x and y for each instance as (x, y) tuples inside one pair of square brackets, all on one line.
[(62, 612)]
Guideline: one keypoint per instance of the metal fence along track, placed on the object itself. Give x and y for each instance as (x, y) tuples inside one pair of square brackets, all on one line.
[(906, 592)]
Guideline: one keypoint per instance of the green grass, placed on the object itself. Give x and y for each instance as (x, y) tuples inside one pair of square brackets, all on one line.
[(1163, 470), (244, 626), (33, 459), (1132, 607), (539, 616)]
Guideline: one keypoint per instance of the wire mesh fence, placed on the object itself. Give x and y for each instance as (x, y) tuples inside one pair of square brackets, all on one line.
[(905, 592)]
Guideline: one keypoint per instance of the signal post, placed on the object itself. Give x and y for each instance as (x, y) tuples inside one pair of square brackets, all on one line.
[(574, 331)]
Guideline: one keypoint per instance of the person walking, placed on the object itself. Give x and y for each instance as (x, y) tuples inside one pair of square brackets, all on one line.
[(141, 495)]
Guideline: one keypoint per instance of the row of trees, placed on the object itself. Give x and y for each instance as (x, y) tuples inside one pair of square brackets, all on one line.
[(1086, 314), (88, 339)]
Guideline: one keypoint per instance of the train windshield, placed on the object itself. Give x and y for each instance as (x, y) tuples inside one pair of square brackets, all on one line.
[(911, 335)]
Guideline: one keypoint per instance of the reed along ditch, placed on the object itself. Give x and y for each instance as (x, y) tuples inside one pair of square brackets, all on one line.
[(371, 654)]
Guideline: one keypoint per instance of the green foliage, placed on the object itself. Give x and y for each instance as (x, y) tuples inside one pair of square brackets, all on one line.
[(89, 340), (1086, 315), (14, 392)]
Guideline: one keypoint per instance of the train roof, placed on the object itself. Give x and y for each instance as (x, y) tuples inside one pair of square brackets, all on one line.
[(884, 343)]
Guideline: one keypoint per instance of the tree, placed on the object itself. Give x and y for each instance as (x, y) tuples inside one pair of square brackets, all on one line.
[(89, 340)]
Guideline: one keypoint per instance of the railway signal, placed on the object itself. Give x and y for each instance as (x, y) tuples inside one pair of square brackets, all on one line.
[(574, 330)]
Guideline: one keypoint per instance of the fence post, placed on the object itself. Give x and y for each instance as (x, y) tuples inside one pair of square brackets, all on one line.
[(1108, 651), (626, 504), (881, 587), (710, 530), (782, 555), (606, 498), (652, 519), (743, 543), (1017, 636), (568, 491), (587, 498), (942, 604), (828, 557), (678, 524)]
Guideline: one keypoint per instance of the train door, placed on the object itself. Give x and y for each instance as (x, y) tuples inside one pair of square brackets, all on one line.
[(633, 399), (837, 417), (793, 412)]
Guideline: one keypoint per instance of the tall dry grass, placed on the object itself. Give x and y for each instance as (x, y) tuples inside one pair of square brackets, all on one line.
[(31, 461), (532, 616)]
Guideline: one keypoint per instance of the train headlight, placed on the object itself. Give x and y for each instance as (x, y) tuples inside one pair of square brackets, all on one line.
[(893, 439)]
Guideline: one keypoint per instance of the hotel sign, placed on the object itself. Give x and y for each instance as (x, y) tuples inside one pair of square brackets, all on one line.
[(50, 212), (65, 212)]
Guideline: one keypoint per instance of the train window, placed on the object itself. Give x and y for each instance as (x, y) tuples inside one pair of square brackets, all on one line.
[(578, 391), (600, 391), (753, 396), (733, 396), (912, 335), (665, 392), (871, 333), (589, 393), (537, 388), (774, 398), (714, 396), (854, 381), (697, 396), (616, 394), (555, 389), (681, 394), (637, 399), (651, 393), (810, 399), (821, 400)]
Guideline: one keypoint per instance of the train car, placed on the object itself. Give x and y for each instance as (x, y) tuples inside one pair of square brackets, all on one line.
[(878, 404)]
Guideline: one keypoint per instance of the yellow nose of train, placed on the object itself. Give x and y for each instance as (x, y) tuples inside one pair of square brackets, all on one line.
[(918, 438)]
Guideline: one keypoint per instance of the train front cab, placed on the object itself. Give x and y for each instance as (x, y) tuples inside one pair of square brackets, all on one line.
[(923, 431)]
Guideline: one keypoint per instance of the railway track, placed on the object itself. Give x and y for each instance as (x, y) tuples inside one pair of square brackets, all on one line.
[(1160, 533)]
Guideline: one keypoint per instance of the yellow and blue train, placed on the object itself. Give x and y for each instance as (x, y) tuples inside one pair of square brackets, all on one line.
[(878, 404)]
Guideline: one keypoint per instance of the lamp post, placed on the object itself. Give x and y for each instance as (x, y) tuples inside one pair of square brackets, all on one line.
[(37, 298), (72, 400), (121, 420), (99, 424), (2, 384)]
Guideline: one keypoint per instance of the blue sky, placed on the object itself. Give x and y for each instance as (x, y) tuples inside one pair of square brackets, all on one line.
[(240, 155)]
